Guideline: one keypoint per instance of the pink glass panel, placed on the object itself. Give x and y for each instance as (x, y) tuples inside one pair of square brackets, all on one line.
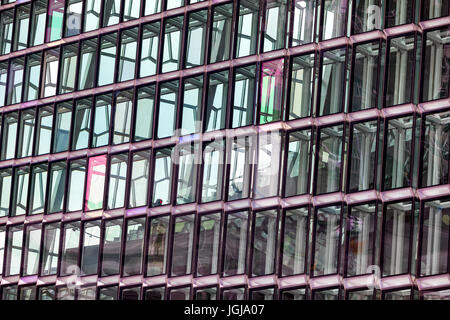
[(95, 183), (271, 90)]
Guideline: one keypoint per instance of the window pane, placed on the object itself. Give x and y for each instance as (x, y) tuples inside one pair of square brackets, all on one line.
[(38, 188), (235, 243), (144, 113), (298, 159), (294, 241), (55, 20), (71, 246), (162, 179), (73, 18), (57, 186), (152, 6), (32, 250), (111, 247), (264, 241), (149, 49), (262, 294), (187, 173), (192, 105), (295, 294), (363, 156), (6, 26), (221, 32), (331, 294), (301, 87), (247, 30), (111, 12), (233, 294), (168, 100), (81, 124), (303, 27), (330, 159), (10, 124), (361, 239), (157, 246), (107, 60), (180, 293), (32, 76), (3, 78), (398, 153), (117, 180), (108, 293), (68, 68), (208, 244), (5, 191), (361, 295), (38, 16), (332, 85), (172, 44), (102, 118), (92, 15), (196, 38), (87, 293), (28, 293), (44, 130), (271, 91), (327, 234), (213, 160), (132, 10), (9, 292), (398, 295), (334, 18), (95, 183), (2, 247), (139, 179), (244, 96), (183, 236), (20, 195), (15, 79), (50, 249), (127, 55), (366, 16), (399, 12), (206, 294), (122, 116), (434, 9), (396, 242), (274, 32), (50, 72), (46, 293), (77, 174), (171, 4), (14, 251), (241, 159), (90, 249), (26, 133), (217, 100), (86, 68), (62, 127), (134, 247)]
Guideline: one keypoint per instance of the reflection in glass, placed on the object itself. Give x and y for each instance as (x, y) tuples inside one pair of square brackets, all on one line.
[(297, 167), (334, 18), (241, 159), (13, 250), (244, 96), (15, 80), (90, 249), (70, 249), (77, 174), (168, 100), (399, 12), (213, 158), (271, 91), (172, 44), (61, 133), (221, 32), (50, 248), (152, 6), (187, 173), (217, 100), (192, 105), (50, 72), (32, 250), (5, 191), (139, 179), (134, 246), (107, 59), (162, 177), (102, 120), (111, 12), (57, 186), (26, 133), (247, 30), (37, 28), (127, 54), (32, 76), (208, 244), (183, 237), (274, 32), (149, 49), (81, 124), (55, 20), (117, 180), (158, 246), (303, 27), (294, 241), (145, 105), (122, 116), (20, 194), (95, 183), (366, 16), (262, 294), (92, 15), (264, 241), (38, 188), (10, 124), (301, 86), (111, 247), (235, 243), (44, 130), (86, 68), (196, 38)]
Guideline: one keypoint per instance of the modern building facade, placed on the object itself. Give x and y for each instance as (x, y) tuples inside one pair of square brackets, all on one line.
[(187, 149)]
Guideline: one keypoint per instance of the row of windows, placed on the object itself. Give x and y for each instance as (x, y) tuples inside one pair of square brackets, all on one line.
[(322, 241), (25, 25)]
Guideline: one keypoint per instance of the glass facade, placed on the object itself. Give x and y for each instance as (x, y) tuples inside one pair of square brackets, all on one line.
[(219, 149)]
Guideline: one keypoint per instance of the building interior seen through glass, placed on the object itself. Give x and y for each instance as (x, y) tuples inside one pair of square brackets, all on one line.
[(224, 149)]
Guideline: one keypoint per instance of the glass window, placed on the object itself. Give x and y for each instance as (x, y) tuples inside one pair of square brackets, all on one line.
[(57, 186), (361, 238), (436, 65), (86, 293), (244, 96), (213, 160), (38, 16), (217, 100), (264, 242), (334, 19), (38, 188), (397, 295), (241, 160), (271, 91), (295, 238), (5, 191), (50, 72), (32, 250), (44, 130), (434, 9), (111, 247), (400, 70), (329, 164), (102, 120), (158, 246), (64, 293), (131, 10), (92, 15), (233, 294), (397, 158), (188, 159), (2, 247), (9, 292), (162, 177), (363, 155), (26, 133), (95, 183), (68, 68), (149, 49), (298, 162), (171, 4), (221, 33), (332, 81), (180, 293), (46, 293), (435, 237), (55, 20), (62, 127), (90, 248), (117, 180), (122, 116), (183, 237), (235, 243), (127, 54), (73, 18), (399, 12), (366, 16), (134, 247), (22, 23), (168, 100), (326, 240), (15, 80), (6, 30), (86, 68), (111, 12), (152, 6), (262, 294), (396, 238), (139, 179), (206, 294), (361, 295), (301, 86), (268, 165), (9, 134), (77, 175), (293, 294), (192, 105), (208, 244), (28, 293), (20, 194), (172, 44), (107, 59), (3, 78), (247, 30), (32, 75), (144, 113), (81, 124), (331, 294), (14, 250), (196, 38), (303, 14), (275, 25), (108, 293), (50, 248), (71, 248)]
